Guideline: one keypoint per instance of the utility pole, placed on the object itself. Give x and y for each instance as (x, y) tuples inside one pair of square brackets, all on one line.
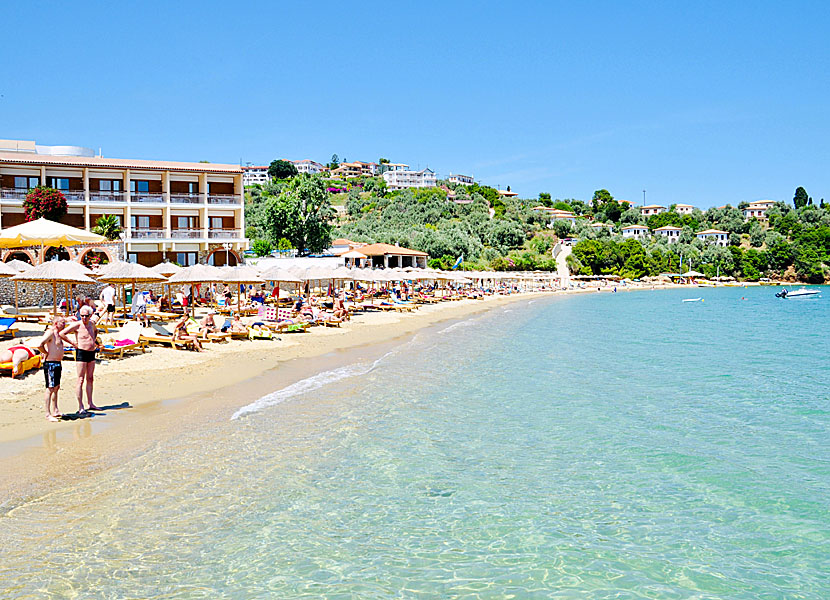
[(644, 197)]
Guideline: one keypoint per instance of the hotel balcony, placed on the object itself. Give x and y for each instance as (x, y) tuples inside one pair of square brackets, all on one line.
[(147, 197), (73, 197), (106, 196), (185, 198), (224, 199), (227, 234), (147, 234), (13, 194), (186, 233)]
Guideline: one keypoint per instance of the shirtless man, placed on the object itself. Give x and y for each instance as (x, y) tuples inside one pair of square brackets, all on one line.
[(51, 346), (85, 347)]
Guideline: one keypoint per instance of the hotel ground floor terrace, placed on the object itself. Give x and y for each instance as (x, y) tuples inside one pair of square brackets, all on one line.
[(182, 212)]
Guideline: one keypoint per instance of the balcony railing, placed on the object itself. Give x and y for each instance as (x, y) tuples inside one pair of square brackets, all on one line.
[(154, 197), (224, 199), (186, 233), (106, 196), (224, 233), (185, 198), (13, 194), (73, 196), (147, 233)]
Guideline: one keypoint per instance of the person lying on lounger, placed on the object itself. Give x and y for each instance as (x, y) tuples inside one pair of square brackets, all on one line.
[(237, 326), (16, 355)]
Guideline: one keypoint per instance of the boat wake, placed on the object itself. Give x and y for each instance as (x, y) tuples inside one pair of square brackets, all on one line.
[(309, 384)]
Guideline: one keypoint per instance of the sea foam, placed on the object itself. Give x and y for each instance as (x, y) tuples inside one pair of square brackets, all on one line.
[(309, 384)]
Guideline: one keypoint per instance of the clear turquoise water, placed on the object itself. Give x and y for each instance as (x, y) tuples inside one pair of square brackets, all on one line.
[(601, 446)]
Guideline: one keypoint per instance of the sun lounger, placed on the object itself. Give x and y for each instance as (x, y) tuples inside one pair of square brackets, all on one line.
[(127, 340), (7, 327), (193, 328), (157, 334)]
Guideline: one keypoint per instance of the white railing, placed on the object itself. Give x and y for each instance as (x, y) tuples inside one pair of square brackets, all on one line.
[(185, 198), (224, 233), (186, 233), (106, 196), (224, 199), (144, 234), (13, 194), (154, 197)]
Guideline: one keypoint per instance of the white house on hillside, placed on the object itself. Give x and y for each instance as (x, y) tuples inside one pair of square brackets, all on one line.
[(714, 236), (683, 209), (461, 179), (669, 232), (399, 180), (308, 166), (557, 214), (252, 175), (638, 232), (652, 209), (758, 210)]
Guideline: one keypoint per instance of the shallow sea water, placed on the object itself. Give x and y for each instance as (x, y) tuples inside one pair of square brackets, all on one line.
[(599, 446)]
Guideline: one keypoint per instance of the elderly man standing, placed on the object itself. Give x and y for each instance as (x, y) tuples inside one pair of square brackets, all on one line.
[(85, 342), (51, 346)]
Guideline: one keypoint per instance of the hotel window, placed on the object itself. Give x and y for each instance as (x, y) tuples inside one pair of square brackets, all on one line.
[(59, 183), (216, 222), (186, 259), (187, 222), (109, 185), (26, 183), (139, 222), (139, 186)]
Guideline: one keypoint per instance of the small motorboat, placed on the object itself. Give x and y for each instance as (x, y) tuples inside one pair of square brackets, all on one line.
[(802, 293), (692, 299)]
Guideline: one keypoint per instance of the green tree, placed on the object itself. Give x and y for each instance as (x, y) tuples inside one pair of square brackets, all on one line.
[(302, 213), (335, 161), (261, 247), (108, 225), (800, 199), (282, 169)]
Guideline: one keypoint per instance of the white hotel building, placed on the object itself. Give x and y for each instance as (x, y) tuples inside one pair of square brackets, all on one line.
[(185, 212), (399, 179)]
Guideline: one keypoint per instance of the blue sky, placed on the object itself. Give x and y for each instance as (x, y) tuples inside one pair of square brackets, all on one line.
[(703, 103)]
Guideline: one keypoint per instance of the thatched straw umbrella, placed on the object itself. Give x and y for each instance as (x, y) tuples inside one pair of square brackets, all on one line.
[(238, 276), (279, 275), (56, 271), (19, 265), (7, 271), (196, 274), (167, 269), (127, 272)]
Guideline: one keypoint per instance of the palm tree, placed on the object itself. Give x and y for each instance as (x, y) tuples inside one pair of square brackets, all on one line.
[(109, 226)]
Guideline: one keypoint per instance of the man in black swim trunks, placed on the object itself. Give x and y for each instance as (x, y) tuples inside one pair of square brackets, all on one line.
[(86, 345), (51, 346)]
